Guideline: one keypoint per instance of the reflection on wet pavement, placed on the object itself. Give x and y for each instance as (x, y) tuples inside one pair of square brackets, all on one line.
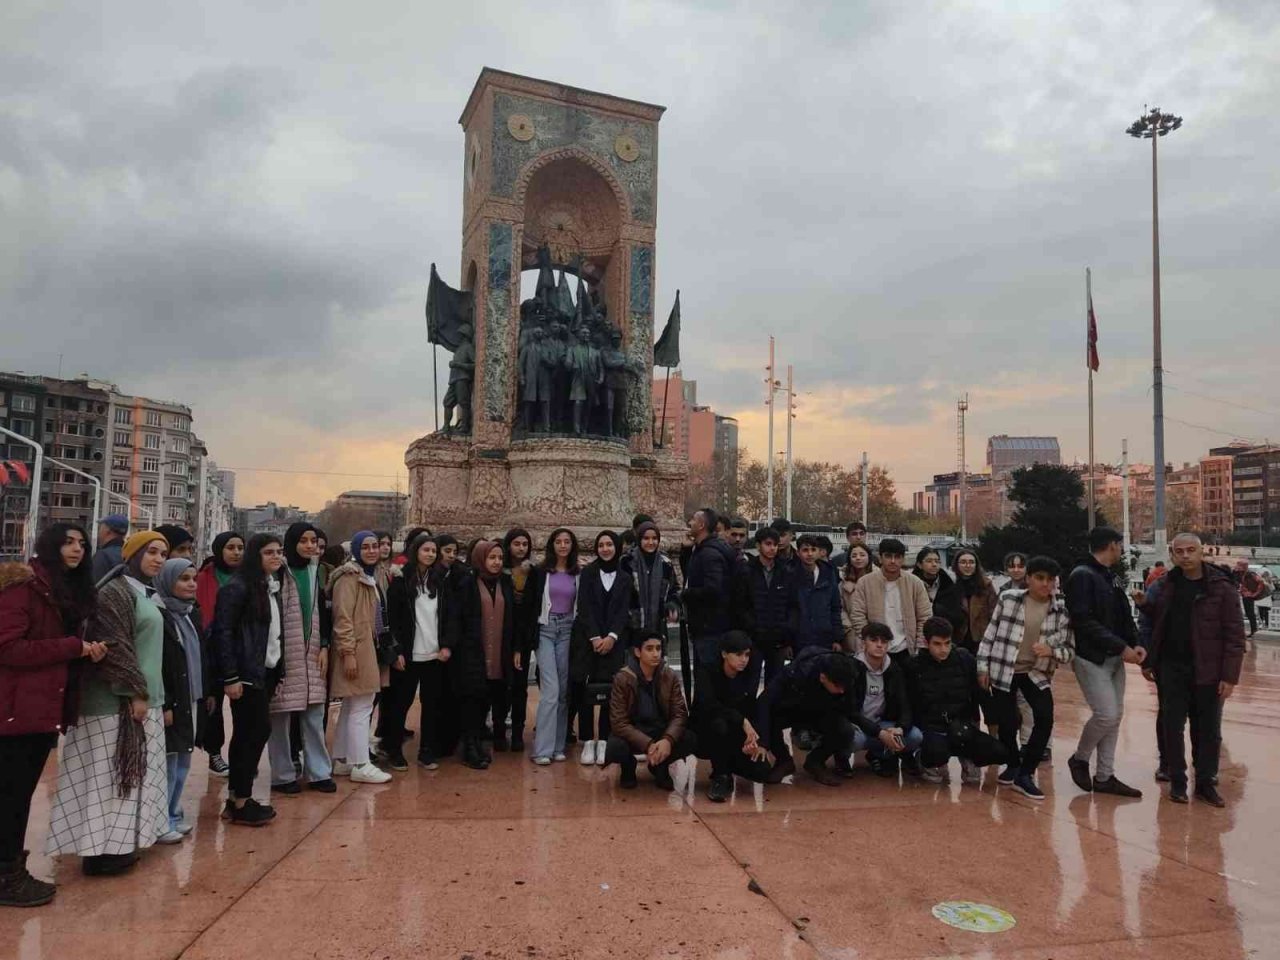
[(522, 861)]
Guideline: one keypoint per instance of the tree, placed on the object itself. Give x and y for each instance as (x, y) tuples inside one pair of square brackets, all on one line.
[(822, 493), (1049, 518), (340, 521)]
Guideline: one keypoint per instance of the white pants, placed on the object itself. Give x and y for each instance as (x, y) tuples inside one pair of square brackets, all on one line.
[(351, 738)]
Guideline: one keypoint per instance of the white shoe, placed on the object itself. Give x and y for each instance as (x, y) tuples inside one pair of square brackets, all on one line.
[(169, 836), (184, 828), (600, 753), (560, 757), (542, 761), (368, 773), (341, 768), (588, 757)]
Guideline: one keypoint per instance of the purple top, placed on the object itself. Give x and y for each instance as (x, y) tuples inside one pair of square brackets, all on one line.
[(564, 590)]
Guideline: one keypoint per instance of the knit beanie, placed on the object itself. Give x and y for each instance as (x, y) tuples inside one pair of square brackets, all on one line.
[(139, 541)]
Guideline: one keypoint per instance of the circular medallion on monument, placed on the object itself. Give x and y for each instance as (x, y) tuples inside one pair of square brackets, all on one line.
[(473, 159), (626, 147), (520, 127)]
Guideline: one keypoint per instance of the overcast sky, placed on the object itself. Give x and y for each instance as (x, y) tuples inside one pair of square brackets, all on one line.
[(237, 209)]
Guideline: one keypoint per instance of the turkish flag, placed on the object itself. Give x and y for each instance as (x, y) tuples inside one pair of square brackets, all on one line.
[(1091, 353), (20, 470)]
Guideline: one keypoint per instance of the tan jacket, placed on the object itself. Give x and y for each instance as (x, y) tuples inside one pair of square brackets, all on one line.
[(867, 605), (355, 604)]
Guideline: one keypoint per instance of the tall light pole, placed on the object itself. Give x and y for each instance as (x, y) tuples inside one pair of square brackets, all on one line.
[(791, 415), (771, 387), (1153, 125)]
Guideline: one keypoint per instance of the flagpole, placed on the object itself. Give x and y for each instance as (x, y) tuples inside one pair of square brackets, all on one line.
[(1088, 293), (435, 386)]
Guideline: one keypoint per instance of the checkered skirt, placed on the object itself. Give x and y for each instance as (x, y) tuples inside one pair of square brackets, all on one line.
[(89, 816)]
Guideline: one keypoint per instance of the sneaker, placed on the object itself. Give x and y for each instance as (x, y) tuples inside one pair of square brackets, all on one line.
[(588, 756), (970, 772), (540, 761), (721, 788), (20, 889), (935, 775), (1162, 775), (1116, 788), (912, 766), (843, 767), (1080, 773), (290, 789), (368, 773), (323, 786), (341, 768), (1209, 794), (781, 770), (1008, 777), (1027, 787), (600, 760), (396, 761), (628, 780), (1048, 755), (266, 808), (560, 757), (251, 815), (820, 773), (169, 837), (217, 766), (184, 828), (1178, 794), (428, 763), (662, 777), (886, 767)]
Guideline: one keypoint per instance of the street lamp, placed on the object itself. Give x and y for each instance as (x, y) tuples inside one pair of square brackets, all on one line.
[(1153, 125)]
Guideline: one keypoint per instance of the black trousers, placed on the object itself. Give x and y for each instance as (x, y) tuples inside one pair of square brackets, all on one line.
[(22, 759), (423, 679), (720, 741), (497, 707), (215, 734), (617, 750), (588, 727), (982, 748), (519, 698), (836, 732), (1180, 697), (250, 731), (1193, 717), (1005, 712), (1251, 611)]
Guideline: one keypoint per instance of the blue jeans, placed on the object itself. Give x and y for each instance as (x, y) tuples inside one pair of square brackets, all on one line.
[(911, 737), (315, 755), (178, 765), (553, 685)]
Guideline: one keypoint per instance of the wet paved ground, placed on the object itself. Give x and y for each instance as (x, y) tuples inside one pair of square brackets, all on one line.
[(528, 862)]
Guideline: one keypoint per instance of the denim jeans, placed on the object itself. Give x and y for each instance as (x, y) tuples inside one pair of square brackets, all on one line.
[(1103, 688), (911, 738), (314, 753), (178, 765), (553, 685)]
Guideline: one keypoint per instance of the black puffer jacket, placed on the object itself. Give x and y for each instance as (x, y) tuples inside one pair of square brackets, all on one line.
[(599, 613), (240, 638), (708, 588), (947, 602), (775, 604), (1101, 617), (943, 690), (797, 688)]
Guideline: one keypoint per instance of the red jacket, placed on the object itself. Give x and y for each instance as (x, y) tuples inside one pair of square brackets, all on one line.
[(207, 594), (35, 655)]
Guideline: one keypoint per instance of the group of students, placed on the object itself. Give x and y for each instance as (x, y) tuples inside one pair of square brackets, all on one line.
[(846, 654)]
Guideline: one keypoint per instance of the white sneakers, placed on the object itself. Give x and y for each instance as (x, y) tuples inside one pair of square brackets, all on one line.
[(542, 761), (588, 757), (341, 768), (600, 753), (368, 773), (169, 836)]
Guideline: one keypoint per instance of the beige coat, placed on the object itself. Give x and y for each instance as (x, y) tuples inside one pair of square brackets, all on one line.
[(355, 602), (867, 605)]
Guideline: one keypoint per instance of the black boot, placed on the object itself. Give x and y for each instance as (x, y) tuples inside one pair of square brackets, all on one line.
[(19, 888), (472, 756)]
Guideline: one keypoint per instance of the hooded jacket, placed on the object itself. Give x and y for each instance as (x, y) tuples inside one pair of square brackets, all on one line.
[(38, 692), (708, 590), (897, 701), (1101, 617), (1217, 625)]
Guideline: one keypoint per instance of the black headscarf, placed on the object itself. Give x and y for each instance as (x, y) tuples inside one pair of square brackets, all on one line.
[(608, 566), (291, 538), (219, 544)]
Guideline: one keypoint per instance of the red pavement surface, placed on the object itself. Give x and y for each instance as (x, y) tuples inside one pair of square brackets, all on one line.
[(530, 862)]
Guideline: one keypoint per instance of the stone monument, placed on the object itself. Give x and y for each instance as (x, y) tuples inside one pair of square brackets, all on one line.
[(548, 417)]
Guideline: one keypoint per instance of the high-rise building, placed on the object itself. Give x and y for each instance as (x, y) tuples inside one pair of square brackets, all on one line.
[(725, 462), (1255, 486), (1006, 454), (1217, 506)]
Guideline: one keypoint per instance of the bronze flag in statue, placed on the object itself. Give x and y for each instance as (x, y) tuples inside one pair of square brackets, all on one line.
[(447, 310), (666, 352)]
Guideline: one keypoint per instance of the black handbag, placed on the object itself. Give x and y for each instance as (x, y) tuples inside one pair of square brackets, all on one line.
[(385, 647)]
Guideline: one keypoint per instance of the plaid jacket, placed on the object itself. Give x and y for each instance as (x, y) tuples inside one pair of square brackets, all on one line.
[(998, 651)]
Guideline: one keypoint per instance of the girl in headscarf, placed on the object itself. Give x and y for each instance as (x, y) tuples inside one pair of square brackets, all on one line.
[(363, 650), (248, 629), (517, 546), (482, 641), (655, 594), (45, 607), (217, 569), (598, 646), (185, 669), (301, 696), (415, 610), (112, 798)]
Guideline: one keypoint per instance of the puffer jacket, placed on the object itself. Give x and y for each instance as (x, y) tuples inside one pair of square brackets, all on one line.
[(355, 602), (303, 684), (943, 691), (240, 639), (1217, 625), (818, 624), (708, 587), (774, 603), (37, 689)]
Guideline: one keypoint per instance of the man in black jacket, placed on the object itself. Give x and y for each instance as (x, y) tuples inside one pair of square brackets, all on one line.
[(726, 718), (774, 603), (708, 587), (1106, 639), (943, 680), (811, 692), (882, 708)]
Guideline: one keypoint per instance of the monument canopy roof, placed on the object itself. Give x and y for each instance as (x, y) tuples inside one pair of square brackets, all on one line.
[(533, 86)]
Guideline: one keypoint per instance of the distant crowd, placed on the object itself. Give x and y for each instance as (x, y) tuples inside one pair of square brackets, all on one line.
[(137, 653)]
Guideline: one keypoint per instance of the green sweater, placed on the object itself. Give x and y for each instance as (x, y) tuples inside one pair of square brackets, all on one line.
[(97, 697)]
